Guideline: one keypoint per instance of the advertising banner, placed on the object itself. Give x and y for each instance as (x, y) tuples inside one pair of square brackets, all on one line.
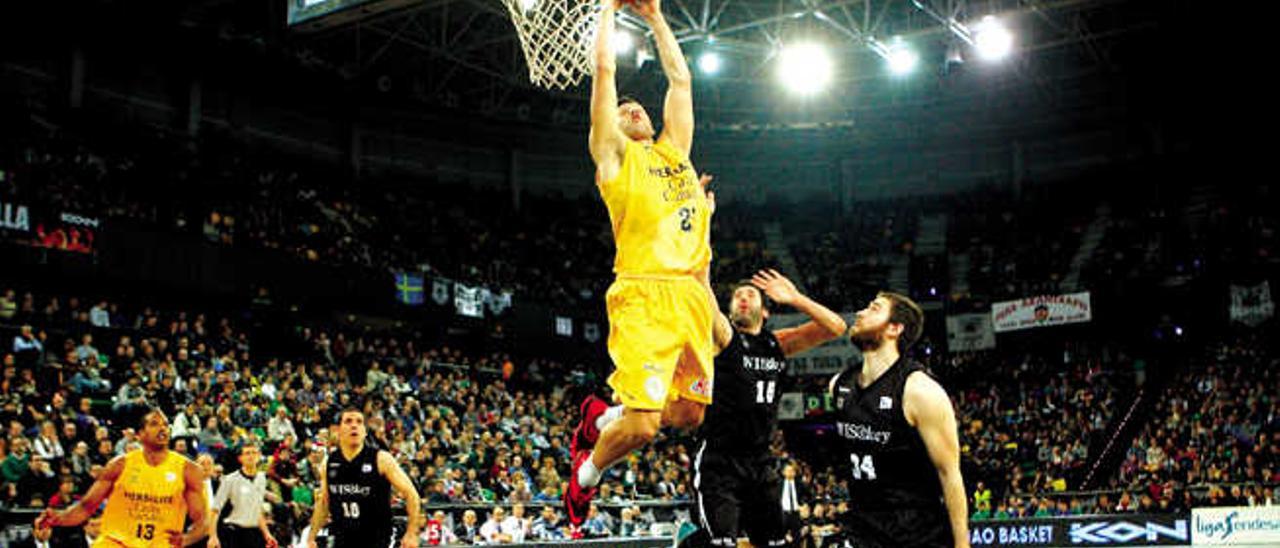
[(15, 218), (65, 231), (826, 359), (1236, 526), (1118, 530)]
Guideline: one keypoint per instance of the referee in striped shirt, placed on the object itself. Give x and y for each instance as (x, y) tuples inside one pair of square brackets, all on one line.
[(245, 490)]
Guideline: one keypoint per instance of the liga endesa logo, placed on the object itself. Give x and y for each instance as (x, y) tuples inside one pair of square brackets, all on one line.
[(1232, 526)]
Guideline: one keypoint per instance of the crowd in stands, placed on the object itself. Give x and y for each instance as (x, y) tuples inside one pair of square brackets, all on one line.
[(470, 429), (1029, 429), (1210, 440), (1215, 435)]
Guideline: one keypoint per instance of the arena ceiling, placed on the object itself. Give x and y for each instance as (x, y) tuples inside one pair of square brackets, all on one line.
[(465, 53)]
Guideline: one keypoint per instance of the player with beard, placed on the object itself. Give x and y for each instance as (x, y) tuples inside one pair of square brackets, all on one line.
[(897, 431), (736, 486), (149, 492)]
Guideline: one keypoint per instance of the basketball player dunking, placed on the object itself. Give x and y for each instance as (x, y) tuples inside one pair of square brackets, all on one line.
[(897, 431), (355, 491), (660, 306), (149, 492), (737, 489)]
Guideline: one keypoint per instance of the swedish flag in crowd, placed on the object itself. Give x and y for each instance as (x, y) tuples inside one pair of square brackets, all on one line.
[(409, 289)]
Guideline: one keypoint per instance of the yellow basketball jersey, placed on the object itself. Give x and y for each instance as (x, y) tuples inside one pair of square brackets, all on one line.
[(145, 504), (661, 218)]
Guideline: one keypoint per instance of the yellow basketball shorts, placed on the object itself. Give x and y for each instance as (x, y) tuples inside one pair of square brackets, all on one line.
[(660, 341)]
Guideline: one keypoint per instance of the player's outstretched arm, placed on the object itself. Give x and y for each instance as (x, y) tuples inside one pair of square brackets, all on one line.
[(400, 481), (721, 329), (606, 141), (928, 408), (320, 514), (824, 326), (197, 507), (677, 111), (81, 511)]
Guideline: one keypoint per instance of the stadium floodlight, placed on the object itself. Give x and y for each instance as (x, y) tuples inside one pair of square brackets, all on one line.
[(804, 68), (992, 40), (527, 5), (710, 62), (901, 58), (622, 42)]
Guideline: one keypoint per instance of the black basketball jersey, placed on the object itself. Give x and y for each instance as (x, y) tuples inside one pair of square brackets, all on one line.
[(744, 400), (885, 459), (359, 498)]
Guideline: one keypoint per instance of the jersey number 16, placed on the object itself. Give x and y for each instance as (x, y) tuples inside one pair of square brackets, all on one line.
[(765, 391)]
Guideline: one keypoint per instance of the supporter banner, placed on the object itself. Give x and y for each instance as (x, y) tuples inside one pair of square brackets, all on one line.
[(1236, 525), (827, 359), (1252, 305), (409, 289), (469, 301), (1117, 530), (969, 332), (1041, 311), (564, 326), (440, 291), (498, 302)]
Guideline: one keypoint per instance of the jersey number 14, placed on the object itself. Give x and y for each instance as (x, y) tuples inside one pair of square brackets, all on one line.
[(863, 468)]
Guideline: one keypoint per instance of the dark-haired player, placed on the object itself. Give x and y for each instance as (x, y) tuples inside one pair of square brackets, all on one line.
[(898, 438), (149, 492), (355, 491), (736, 486)]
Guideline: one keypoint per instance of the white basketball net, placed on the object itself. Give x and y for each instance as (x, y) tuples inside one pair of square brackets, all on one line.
[(556, 36)]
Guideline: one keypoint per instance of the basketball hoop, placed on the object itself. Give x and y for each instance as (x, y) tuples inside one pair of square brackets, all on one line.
[(556, 36)]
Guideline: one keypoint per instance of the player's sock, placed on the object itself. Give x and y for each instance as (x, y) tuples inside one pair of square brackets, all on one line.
[(612, 414), (588, 475)]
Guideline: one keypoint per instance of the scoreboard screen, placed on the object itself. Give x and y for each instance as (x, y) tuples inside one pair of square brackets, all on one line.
[(301, 11), (307, 15)]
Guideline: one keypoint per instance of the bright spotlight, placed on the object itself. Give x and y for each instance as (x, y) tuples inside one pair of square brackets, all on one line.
[(902, 59), (804, 68), (622, 41), (527, 5), (992, 40), (709, 62)]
